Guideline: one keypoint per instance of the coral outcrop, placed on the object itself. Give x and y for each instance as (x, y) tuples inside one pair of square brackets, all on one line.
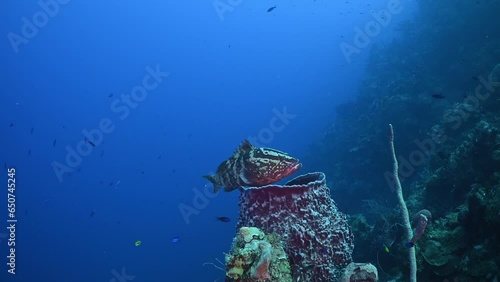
[(362, 272), (256, 256)]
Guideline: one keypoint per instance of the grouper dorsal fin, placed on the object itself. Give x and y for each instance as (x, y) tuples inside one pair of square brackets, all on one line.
[(245, 147)]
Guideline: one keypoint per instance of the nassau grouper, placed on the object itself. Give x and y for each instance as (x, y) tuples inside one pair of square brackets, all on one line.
[(253, 166)]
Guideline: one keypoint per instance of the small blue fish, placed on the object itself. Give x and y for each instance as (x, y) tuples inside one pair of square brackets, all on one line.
[(324, 250), (223, 218), (176, 239), (90, 142), (270, 9)]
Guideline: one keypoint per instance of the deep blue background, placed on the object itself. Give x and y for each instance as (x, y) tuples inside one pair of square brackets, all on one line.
[(226, 77)]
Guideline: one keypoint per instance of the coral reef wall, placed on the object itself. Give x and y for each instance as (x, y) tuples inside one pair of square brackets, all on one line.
[(449, 148)]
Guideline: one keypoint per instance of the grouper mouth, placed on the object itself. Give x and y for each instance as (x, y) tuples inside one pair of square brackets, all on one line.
[(293, 169)]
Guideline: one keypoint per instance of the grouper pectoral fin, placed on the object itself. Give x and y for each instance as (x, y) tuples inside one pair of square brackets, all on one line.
[(247, 178)]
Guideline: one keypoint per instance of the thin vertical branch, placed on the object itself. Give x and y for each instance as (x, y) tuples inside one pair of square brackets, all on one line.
[(403, 208)]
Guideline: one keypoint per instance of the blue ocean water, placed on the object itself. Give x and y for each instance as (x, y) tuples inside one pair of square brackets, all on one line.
[(111, 111)]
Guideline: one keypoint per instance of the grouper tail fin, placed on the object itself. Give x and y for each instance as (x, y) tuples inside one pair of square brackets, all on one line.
[(212, 180)]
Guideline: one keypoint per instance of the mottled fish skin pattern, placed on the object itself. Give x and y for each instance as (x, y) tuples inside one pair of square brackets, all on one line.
[(253, 166)]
